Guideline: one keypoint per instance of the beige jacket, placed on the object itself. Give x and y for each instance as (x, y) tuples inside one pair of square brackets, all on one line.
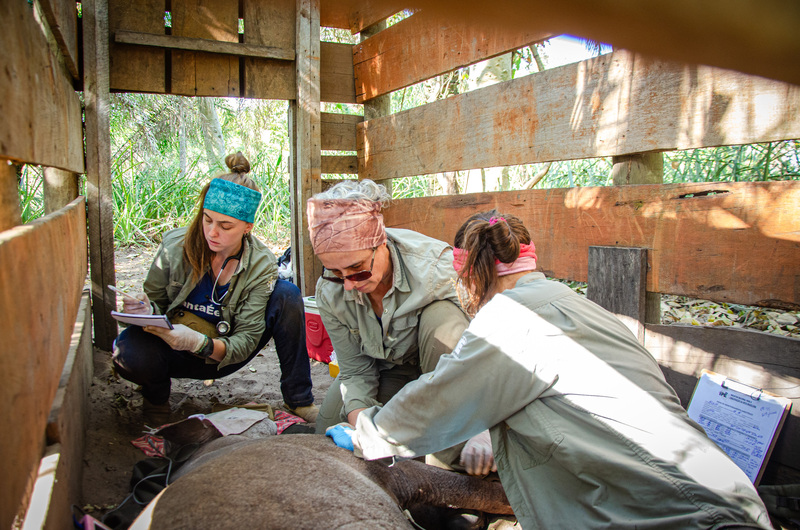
[(586, 432)]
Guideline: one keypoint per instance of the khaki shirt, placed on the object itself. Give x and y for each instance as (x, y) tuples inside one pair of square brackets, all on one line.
[(423, 273), (586, 432), (169, 283)]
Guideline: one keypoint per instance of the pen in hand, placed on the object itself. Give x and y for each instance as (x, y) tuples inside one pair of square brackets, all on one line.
[(123, 293)]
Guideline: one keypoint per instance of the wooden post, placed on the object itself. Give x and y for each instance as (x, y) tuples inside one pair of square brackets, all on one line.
[(641, 168), (10, 215), (617, 280), (100, 220), (60, 188), (381, 105), (304, 130)]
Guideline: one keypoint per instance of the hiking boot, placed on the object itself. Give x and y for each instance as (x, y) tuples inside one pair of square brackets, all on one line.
[(308, 413), (156, 415)]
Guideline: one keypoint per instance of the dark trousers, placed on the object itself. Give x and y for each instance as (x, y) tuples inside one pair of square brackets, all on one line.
[(145, 359)]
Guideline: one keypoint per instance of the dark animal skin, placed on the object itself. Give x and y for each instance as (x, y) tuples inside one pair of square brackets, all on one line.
[(303, 481)]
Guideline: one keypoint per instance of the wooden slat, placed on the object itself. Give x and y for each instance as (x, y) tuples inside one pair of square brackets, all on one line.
[(201, 73), (39, 298), (41, 111), (62, 17), (357, 16), (421, 47), (758, 37), (616, 278), (763, 360), (100, 208), (269, 24), (305, 137), (68, 418), (337, 82), (10, 214), (204, 45), (611, 105), (336, 165), (134, 68), (740, 245), (338, 131)]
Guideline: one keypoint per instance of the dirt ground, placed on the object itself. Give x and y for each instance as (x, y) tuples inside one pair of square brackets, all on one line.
[(115, 417)]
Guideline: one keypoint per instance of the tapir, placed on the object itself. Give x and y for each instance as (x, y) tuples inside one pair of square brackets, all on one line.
[(304, 481)]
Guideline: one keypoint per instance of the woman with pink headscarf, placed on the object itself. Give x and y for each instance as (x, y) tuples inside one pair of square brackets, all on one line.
[(388, 301)]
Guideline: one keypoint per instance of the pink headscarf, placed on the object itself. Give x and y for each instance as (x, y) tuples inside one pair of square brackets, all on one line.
[(344, 225), (525, 262)]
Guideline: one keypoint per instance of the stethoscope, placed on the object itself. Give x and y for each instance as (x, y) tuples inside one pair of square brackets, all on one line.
[(223, 326)]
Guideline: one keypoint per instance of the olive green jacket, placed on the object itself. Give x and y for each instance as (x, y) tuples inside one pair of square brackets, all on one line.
[(423, 273), (586, 432), (169, 283)]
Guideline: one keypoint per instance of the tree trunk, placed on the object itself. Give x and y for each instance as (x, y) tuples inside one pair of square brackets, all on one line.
[(182, 137), (212, 134)]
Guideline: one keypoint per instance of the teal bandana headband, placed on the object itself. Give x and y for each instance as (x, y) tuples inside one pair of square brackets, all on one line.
[(229, 198)]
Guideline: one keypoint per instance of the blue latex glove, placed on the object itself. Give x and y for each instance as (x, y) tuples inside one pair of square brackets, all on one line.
[(342, 435)]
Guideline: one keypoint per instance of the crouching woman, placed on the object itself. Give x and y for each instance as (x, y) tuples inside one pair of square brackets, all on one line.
[(219, 283)]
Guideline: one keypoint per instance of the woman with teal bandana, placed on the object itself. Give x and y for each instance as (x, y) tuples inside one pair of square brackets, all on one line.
[(219, 286)]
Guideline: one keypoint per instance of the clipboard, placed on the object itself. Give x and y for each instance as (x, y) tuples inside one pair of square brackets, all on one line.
[(744, 421), (160, 321)]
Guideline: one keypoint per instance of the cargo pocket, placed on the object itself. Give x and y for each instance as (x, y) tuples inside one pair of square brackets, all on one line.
[(533, 435)]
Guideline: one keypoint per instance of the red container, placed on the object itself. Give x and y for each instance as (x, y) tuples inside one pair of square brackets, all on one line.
[(318, 343)]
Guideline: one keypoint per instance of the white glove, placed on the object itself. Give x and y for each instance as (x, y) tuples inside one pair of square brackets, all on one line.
[(180, 338), (477, 456), (142, 307)]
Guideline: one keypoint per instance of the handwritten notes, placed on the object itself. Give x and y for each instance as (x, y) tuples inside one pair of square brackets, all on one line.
[(742, 420)]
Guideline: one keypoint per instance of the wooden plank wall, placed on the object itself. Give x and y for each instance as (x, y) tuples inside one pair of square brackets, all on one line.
[(728, 242), (42, 271), (158, 70), (615, 104), (421, 46), (41, 111)]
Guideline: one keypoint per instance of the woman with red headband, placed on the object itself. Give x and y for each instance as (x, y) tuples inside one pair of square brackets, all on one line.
[(586, 432), (388, 301)]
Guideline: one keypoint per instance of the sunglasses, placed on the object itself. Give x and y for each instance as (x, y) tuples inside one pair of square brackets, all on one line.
[(359, 276)]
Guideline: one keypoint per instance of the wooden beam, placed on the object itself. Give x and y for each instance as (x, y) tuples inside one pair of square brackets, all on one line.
[(754, 36), (40, 298), (615, 104), (204, 45), (421, 47), (62, 17), (202, 73), (99, 191), (305, 137), (616, 278), (269, 24), (337, 81), (10, 214), (60, 188), (68, 420), (135, 68), (338, 131), (764, 360), (727, 242), (339, 165), (41, 111), (357, 16)]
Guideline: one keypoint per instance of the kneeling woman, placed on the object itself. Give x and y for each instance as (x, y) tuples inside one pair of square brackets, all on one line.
[(586, 432), (220, 283)]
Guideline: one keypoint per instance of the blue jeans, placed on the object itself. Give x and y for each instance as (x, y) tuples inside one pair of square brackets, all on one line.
[(145, 359)]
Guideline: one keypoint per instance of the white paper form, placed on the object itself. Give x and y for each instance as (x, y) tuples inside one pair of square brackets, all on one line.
[(742, 420)]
